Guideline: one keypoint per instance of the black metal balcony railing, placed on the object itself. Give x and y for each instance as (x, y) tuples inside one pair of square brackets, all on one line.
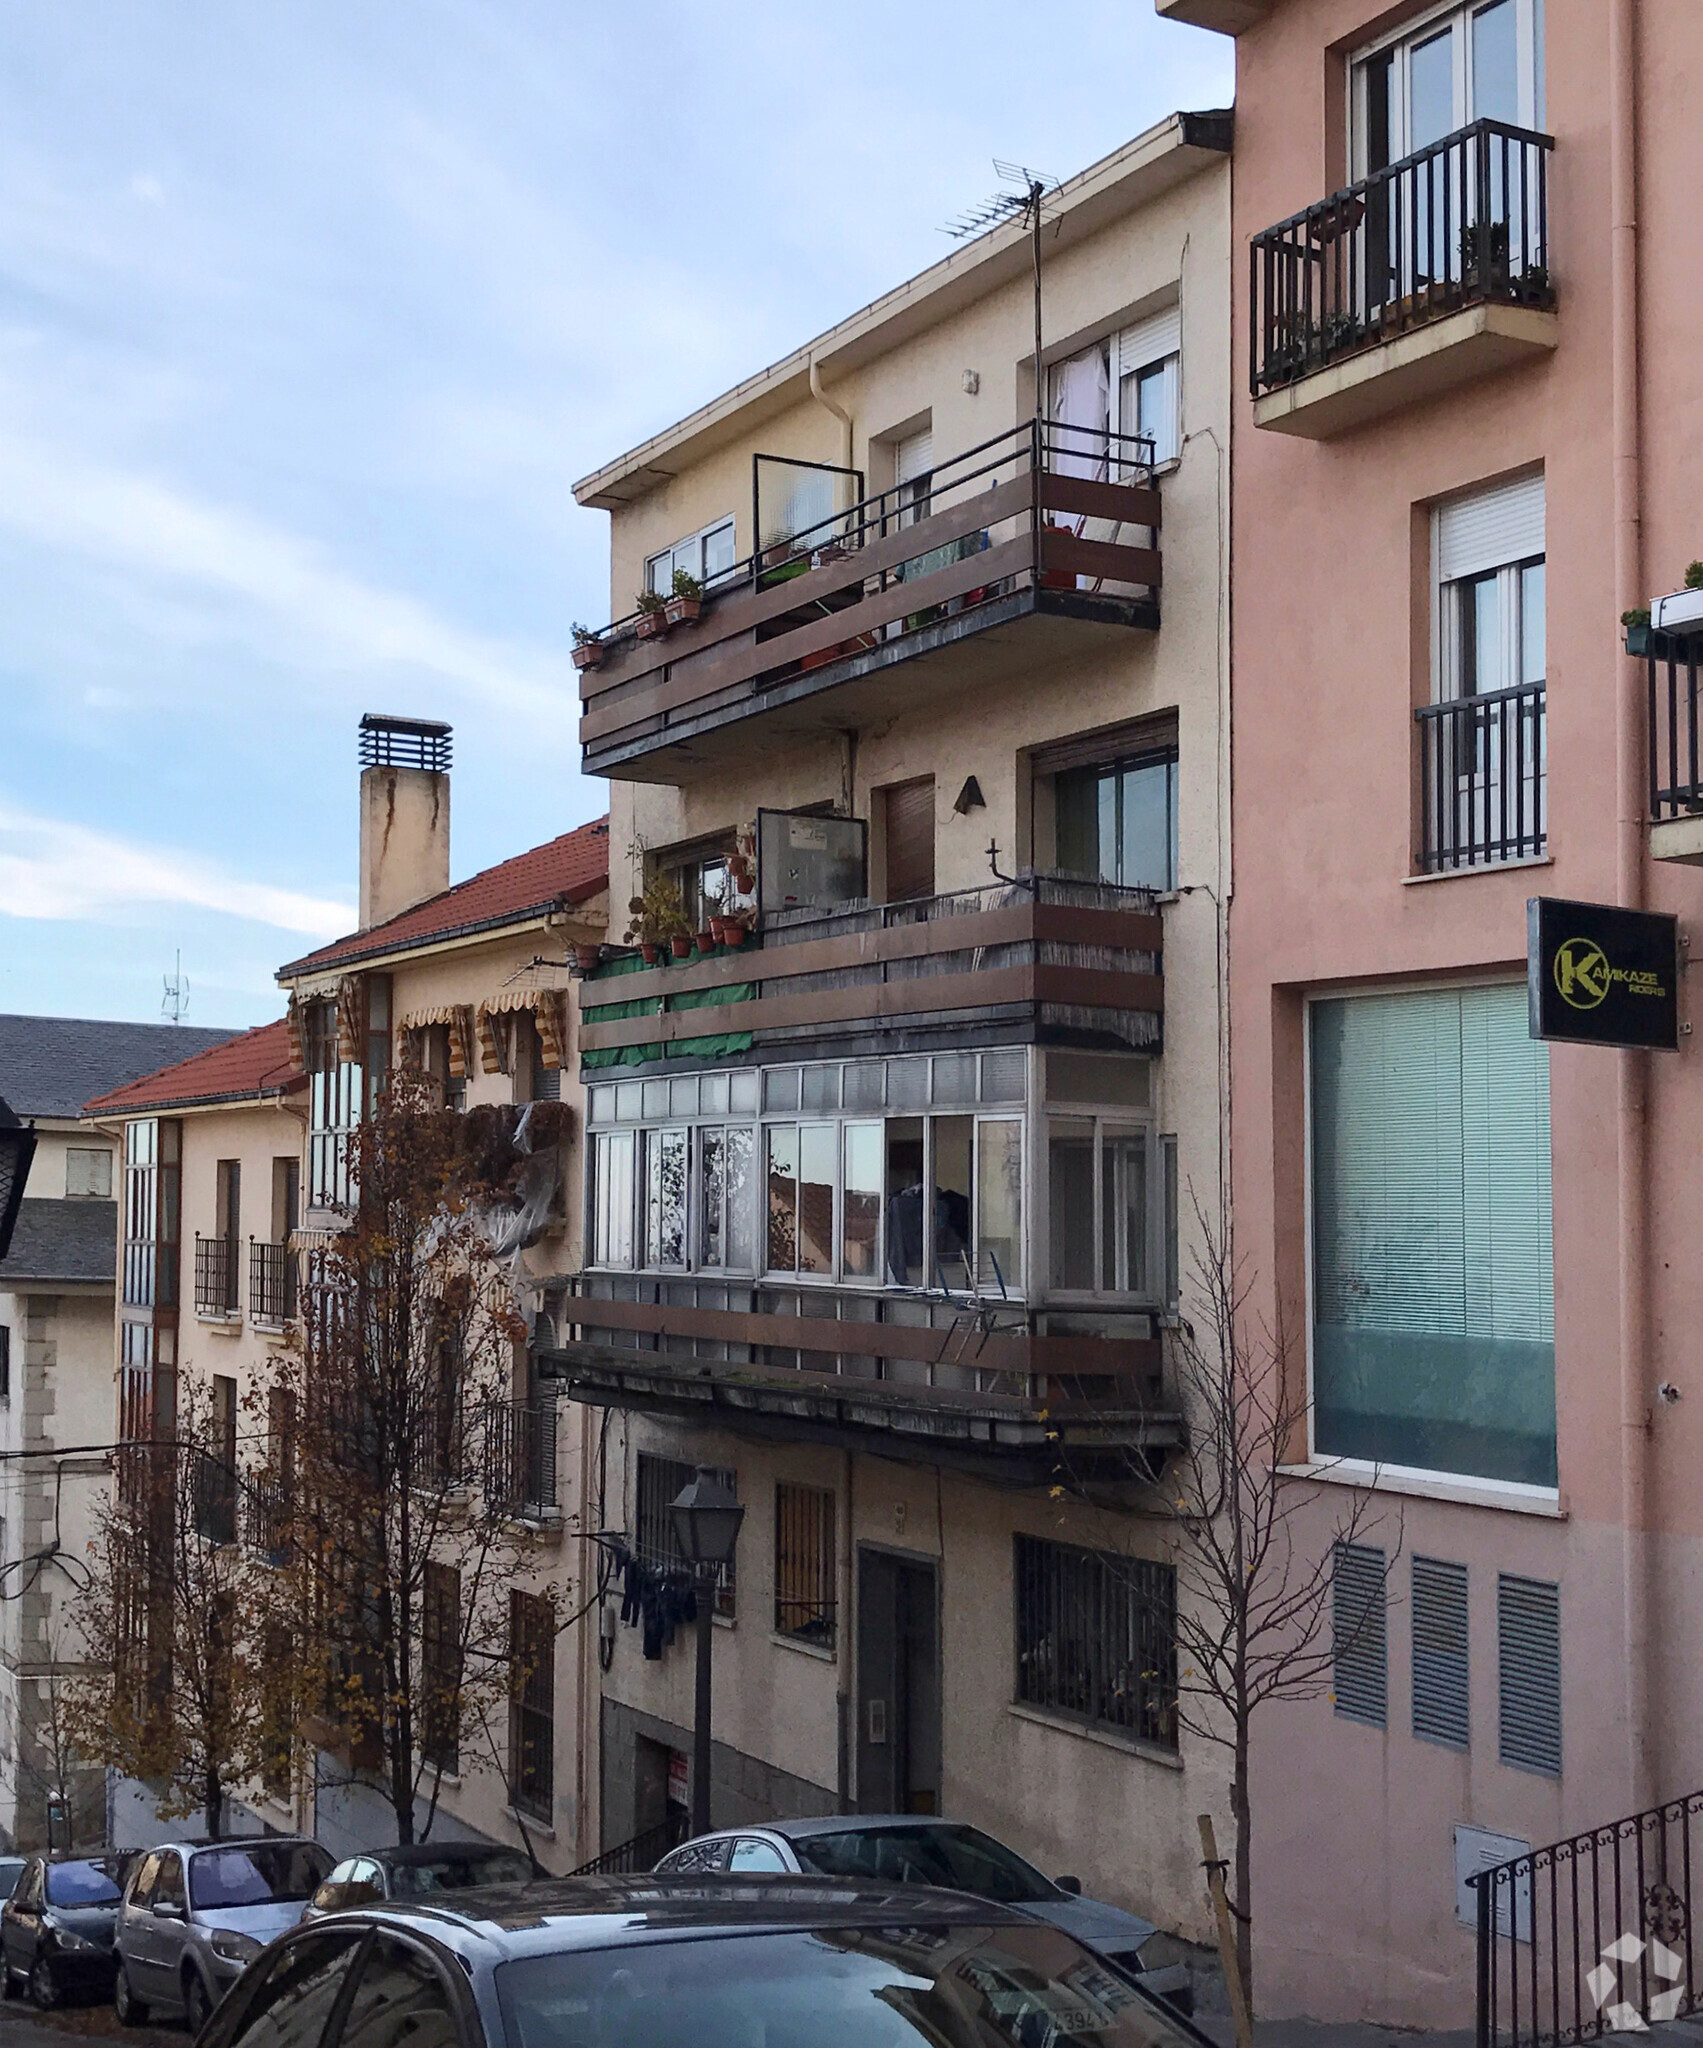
[(216, 1277), (1676, 769), (271, 1283), (520, 1456), (263, 1513), (215, 1500), (1462, 223), (1590, 1936), (1483, 780)]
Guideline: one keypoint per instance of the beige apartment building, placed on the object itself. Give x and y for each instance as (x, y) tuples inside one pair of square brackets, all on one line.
[(891, 1200), (237, 1167)]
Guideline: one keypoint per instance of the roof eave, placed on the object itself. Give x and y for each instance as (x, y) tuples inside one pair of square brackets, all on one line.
[(312, 964)]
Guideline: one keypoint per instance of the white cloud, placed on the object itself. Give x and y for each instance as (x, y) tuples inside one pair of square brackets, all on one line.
[(51, 869), (147, 189)]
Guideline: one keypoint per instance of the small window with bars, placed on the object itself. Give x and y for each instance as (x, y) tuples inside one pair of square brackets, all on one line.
[(1360, 1668), (804, 1564), (532, 1704), (1528, 1650), (1441, 1711), (1097, 1638), (661, 1481), (441, 1660)]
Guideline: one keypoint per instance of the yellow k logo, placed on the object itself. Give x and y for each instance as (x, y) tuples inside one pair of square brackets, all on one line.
[(1582, 975)]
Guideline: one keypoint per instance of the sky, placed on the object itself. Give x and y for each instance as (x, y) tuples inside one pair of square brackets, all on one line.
[(310, 316)]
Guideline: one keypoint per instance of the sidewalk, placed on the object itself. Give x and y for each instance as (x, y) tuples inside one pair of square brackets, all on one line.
[(1330, 2034)]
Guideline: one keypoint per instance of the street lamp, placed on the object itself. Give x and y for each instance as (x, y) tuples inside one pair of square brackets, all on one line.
[(17, 1149), (706, 1526)]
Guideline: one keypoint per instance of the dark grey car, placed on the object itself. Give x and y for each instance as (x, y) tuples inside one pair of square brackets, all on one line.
[(422, 1870), (659, 1962)]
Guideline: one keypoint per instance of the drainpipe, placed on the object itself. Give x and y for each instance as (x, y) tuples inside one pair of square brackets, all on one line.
[(845, 419), (1635, 1424)]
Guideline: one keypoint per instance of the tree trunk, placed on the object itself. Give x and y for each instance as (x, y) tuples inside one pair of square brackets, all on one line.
[(214, 1794), (1243, 1902)]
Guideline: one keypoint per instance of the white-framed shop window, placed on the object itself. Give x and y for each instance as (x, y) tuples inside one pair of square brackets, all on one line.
[(706, 556), (1456, 65)]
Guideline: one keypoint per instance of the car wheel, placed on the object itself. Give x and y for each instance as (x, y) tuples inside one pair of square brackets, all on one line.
[(129, 2008), (197, 2006), (44, 1990)]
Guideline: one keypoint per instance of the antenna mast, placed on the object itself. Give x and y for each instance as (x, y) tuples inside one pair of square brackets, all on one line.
[(1029, 204), (174, 1005)]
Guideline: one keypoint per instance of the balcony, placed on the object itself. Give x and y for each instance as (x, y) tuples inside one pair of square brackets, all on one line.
[(215, 1486), (1010, 963), (1483, 780), (1428, 275), (1019, 557), (271, 1284), (216, 1271), (996, 1392), (265, 1513), (520, 1458), (1676, 762)]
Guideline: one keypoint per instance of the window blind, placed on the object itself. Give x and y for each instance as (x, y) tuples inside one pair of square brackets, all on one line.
[(1433, 1295), (1440, 1670), (1490, 529), (1528, 1646), (1359, 1634), (1150, 340)]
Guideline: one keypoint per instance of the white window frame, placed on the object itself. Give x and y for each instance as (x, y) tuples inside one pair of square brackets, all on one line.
[(1120, 1118), (1529, 37), (694, 545), (1507, 561), (1128, 354)]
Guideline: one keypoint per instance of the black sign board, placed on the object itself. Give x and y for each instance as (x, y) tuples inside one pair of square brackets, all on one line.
[(1597, 975)]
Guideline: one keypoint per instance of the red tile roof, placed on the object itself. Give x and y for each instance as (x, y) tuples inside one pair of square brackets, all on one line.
[(565, 870), (254, 1063)]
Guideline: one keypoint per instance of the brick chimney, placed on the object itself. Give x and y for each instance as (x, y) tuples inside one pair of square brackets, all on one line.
[(404, 814)]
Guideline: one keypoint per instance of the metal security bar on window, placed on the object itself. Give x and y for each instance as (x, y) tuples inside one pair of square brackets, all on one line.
[(660, 1483), (532, 1724), (1097, 1637), (1484, 779), (271, 1283), (1528, 1648), (1460, 223), (216, 1277), (1359, 1633), (440, 1642), (804, 1564), (1440, 1665), (520, 1455)]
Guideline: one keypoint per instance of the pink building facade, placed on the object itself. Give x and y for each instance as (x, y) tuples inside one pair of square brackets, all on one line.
[(1470, 396)]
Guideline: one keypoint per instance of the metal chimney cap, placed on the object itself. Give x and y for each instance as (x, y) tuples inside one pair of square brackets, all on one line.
[(387, 742)]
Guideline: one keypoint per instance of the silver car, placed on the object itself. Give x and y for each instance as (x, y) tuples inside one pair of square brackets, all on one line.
[(195, 1913), (906, 1848)]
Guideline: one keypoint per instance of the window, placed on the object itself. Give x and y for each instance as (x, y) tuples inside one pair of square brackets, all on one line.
[(804, 1564), (441, 1655), (1097, 1637), (1360, 1677), (533, 1080), (726, 1194), (532, 1697), (913, 467), (1433, 1317), (661, 1481), (168, 1886), (1127, 384), (751, 1853), (800, 1161), (1441, 1703), (88, 1173), (665, 1198), (1459, 65), (399, 2001), (612, 1198), (1100, 1174), (704, 878), (335, 1090), (151, 1169), (705, 556), (1118, 822), (297, 1988), (216, 1483), (1528, 1648)]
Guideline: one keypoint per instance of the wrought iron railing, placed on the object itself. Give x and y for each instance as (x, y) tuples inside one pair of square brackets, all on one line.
[(1589, 1936), (1483, 781), (1457, 224), (1676, 764), (643, 1852), (520, 1455), (271, 1283), (263, 1517), (215, 1500), (216, 1277)]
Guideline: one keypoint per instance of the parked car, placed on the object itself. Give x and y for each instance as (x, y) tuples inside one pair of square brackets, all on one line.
[(422, 1870), (195, 1913), (720, 1962), (906, 1848), (56, 1928)]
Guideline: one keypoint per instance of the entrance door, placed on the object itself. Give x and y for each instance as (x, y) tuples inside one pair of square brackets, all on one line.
[(908, 810), (898, 1685)]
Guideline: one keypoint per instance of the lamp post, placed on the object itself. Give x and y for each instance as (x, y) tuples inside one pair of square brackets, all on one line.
[(706, 1526), (17, 1149)]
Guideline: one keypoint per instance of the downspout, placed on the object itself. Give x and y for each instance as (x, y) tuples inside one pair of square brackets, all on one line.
[(1635, 1424), (845, 419)]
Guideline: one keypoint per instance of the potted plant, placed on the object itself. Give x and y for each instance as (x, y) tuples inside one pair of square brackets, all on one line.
[(685, 600), (652, 609), (658, 919), (1637, 624), (1484, 251), (588, 648), (588, 958)]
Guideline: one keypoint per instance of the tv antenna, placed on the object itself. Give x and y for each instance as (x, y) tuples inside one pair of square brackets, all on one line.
[(1026, 197), (174, 1004)]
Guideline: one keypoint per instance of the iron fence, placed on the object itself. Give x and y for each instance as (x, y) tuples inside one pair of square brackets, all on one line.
[(643, 1852), (1483, 779), (263, 1518), (271, 1283), (1589, 1936), (216, 1277), (1676, 774), (520, 1455), (1457, 224)]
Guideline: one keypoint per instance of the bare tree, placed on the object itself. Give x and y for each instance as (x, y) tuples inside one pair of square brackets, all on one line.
[(392, 1448)]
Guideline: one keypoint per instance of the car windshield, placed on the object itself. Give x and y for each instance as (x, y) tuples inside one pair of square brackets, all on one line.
[(10, 1869), (94, 1883), (962, 1859), (256, 1874), (892, 1987), (454, 1872)]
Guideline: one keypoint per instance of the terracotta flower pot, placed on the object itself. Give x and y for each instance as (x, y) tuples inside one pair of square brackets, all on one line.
[(684, 611), (681, 945), (652, 625), (734, 935), (588, 957), (718, 929), (706, 940), (650, 953), (588, 653)]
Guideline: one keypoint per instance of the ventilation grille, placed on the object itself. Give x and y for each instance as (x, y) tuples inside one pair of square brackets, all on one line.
[(1528, 1647), (404, 743), (1440, 1709), (1359, 1633)]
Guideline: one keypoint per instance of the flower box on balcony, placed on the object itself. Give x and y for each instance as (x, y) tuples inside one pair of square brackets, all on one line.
[(1681, 612)]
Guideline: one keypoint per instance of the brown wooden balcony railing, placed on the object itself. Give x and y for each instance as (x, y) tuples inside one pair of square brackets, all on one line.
[(271, 1283), (1045, 517), (216, 1271), (1017, 952), (1460, 223)]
